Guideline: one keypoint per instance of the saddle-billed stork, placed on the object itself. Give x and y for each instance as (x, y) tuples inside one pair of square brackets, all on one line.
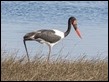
[(50, 36)]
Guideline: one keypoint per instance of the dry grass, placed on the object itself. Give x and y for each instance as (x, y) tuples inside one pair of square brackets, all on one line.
[(81, 69)]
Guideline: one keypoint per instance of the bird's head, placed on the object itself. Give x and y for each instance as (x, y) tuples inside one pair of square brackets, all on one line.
[(73, 21)]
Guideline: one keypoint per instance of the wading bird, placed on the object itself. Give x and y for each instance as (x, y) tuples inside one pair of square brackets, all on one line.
[(50, 37)]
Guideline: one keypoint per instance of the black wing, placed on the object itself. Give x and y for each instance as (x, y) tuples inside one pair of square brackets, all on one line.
[(47, 35)]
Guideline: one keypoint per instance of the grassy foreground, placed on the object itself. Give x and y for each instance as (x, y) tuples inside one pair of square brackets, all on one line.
[(60, 70)]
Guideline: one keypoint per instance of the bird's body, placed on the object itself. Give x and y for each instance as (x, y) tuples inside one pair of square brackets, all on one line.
[(45, 35), (50, 37)]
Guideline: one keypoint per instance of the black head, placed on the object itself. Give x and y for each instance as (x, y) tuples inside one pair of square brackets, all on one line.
[(73, 21), (72, 18)]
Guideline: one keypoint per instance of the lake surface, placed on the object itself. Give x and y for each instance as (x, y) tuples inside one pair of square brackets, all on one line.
[(21, 17)]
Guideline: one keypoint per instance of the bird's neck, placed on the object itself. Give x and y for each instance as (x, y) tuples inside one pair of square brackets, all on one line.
[(68, 30)]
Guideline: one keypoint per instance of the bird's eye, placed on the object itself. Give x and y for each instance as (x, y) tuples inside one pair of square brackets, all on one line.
[(74, 22)]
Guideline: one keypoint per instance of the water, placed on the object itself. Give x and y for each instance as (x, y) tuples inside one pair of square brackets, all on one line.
[(21, 17)]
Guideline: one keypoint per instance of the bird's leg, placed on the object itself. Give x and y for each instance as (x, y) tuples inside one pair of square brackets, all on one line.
[(26, 50), (49, 53)]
